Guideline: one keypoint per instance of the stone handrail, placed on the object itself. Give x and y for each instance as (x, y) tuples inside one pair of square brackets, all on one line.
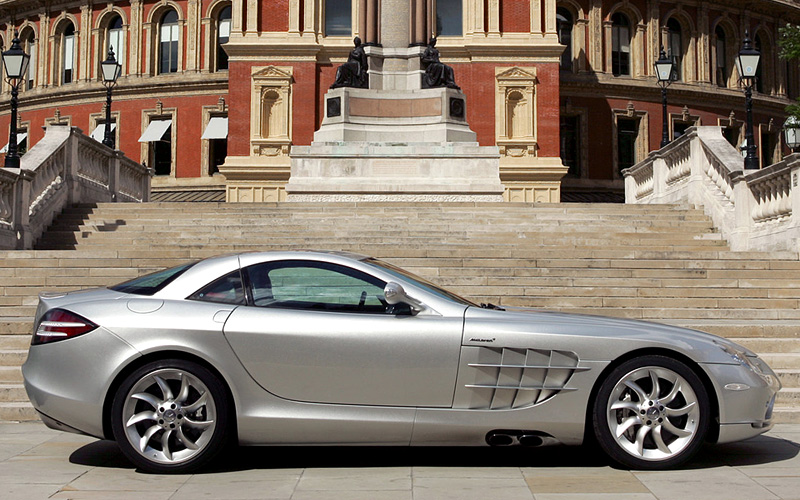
[(754, 210), (64, 168)]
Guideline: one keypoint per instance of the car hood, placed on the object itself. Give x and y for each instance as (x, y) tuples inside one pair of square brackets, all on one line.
[(595, 337)]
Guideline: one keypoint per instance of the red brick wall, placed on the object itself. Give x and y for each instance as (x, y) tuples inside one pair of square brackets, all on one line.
[(274, 16), (515, 16)]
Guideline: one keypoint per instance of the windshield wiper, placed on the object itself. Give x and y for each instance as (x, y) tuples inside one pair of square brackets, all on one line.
[(489, 305)]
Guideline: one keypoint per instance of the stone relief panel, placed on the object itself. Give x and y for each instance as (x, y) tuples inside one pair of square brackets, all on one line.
[(515, 111), (271, 111)]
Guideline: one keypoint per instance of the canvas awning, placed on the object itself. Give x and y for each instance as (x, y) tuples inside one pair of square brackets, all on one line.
[(155, 130), (99, 132), (217, 128), (20, 137)]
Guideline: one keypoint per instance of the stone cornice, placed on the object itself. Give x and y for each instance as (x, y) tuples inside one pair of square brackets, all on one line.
[(129, 88), (678, 94)]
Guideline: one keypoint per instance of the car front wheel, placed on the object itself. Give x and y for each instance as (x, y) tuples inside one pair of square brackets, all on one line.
[(651, 412), (170, 416)]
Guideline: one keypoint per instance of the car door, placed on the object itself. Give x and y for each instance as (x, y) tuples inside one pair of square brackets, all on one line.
[(321, 332)]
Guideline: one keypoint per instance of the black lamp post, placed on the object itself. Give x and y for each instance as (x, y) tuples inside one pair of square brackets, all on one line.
[(111, 71), (747, 64), (15, 61), (791, 131), (664, 70)]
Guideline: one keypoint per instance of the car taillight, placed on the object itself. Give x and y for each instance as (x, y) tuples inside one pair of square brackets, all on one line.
[(58, 324)]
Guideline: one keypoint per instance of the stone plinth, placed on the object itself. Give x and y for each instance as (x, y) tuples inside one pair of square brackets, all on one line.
[(366, 115), (362, 171)]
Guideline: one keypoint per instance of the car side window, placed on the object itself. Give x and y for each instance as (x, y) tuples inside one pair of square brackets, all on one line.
[(310, 285), (225, 290)]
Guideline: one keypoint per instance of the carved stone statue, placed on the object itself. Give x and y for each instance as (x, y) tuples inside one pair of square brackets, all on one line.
[(353, 73), (437, 74)]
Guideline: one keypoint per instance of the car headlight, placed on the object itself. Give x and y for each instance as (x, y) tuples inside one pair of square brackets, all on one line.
[(739, 355), (747, 359)]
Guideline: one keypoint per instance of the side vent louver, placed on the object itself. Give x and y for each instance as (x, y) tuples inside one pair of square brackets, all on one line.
[(507, 378)]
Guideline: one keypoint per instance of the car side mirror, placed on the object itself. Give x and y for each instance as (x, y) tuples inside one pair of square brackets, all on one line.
[(396, 294)]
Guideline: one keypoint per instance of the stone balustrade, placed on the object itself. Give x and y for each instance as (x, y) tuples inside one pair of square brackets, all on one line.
[(753, 209), (64, 168)]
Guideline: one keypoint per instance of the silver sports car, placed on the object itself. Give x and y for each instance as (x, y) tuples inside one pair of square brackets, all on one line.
[(298, 348)]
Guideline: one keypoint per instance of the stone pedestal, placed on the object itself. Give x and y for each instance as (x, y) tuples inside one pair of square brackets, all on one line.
[(394, 145), (361, 171)]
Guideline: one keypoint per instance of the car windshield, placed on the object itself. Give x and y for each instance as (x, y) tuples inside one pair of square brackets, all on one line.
[(153, 282), (420, 282)]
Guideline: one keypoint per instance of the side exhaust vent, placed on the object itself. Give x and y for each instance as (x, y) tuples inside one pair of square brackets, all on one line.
[(529, 439)]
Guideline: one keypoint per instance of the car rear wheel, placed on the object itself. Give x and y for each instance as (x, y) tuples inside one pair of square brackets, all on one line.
[(651, 412), (170, 416)]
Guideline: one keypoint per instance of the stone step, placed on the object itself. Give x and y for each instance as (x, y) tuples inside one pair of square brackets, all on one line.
[(14, 342), (17, 412), (788, 396), (13, 357), (789, 378), (786, 415), (16, 326), (770, 345), (10, 374), (12, 393), (782, 360)]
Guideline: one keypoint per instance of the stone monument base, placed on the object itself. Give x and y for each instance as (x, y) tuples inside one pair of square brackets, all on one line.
[(361, 171)]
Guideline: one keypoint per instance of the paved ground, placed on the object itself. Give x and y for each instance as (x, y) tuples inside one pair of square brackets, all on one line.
[(38, 463)]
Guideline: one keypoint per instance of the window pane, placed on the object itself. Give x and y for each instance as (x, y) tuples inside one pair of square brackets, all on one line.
[(115, 41), (69, 51), (570, 144), (449, 18), (315, 286), (337, 18), (32, 62), (151, 283), (225, 290)]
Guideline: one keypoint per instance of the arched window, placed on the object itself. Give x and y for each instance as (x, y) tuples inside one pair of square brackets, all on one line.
[(449, 18), (675, 47), (338, 21), (68, 54), (620, 45), (115, 39), (169, 34), (29, 45), (721, 70), (223, 35), (564, 28)]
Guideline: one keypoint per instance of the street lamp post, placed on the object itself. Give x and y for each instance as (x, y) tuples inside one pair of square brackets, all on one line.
[(747, 64), (111, 71), (15, 61), (791, 130), (664, 70)]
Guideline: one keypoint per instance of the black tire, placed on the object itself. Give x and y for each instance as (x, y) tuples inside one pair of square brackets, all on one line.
[(176, 428), (642, 430)]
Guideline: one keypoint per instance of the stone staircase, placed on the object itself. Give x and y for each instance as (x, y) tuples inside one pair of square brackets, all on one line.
[(654, 262)]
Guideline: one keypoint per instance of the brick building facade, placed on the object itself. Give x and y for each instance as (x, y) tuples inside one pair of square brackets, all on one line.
[(552, 83)]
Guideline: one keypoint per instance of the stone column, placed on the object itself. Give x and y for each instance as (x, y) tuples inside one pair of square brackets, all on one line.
[(309, 16), (193, 35), (135, 30), (237, 14), (607, 26), (420, 22), (536, 17), (639, 63), (596, 36), (252, 17), (394, 23), (703, 45), (653, 36), (84, 43), (550, 17), (362, 19), (494, 17), (294, 17), (44, 54), (579, 39)]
